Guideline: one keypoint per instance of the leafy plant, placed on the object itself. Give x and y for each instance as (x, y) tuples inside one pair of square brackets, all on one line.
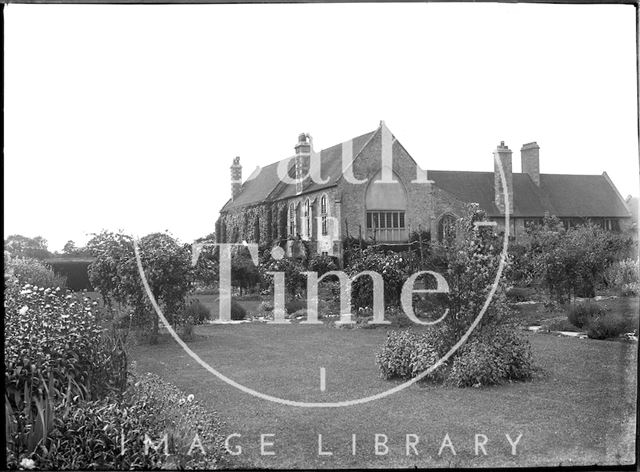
[(195, 312), (505, 356), (27, 270), (607, 326), (167, 268), (581, 314)]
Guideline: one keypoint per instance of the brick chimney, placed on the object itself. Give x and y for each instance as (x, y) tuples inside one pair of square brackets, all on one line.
[(302, 159), (236, 178), (505, 157), (530, 158)]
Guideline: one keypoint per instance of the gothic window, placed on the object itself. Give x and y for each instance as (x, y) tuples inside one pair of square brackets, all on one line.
[(292, 220), (323, 214), (307, 219)]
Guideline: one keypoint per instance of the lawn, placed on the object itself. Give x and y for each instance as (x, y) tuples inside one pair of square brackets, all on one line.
[(579, 410)]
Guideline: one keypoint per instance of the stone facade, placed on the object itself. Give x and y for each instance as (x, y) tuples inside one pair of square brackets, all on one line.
[(383, 194)]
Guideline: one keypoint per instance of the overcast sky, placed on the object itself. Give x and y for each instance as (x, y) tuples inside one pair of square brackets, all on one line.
[(128, 117)]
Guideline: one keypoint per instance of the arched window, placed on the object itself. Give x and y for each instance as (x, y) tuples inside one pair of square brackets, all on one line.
[(293, 226), (323, 215), (307, 219), (446, 227), (386, 204)]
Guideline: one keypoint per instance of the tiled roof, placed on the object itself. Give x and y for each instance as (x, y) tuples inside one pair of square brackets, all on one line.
[(266, 185), (562, 195)]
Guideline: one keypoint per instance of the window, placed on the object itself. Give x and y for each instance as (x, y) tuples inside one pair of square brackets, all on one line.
[(292, 220), (323, 214), (307, 218), (386, 225)]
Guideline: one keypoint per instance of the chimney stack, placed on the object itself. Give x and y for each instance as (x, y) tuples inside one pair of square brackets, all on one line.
[(302, 159), (236, 178), (504, 153), (530, 159)]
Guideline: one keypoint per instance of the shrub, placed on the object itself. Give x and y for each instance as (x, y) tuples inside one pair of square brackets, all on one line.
[(196, 313), (295, 304), (580, 314), (607, 326), (322, 264), (54, 350), (237, 311), (502, 356), (152, 407), (630, 290), (34, 272), (266, 306), (390, 265), (295, 281), (406, 354), (623, 275), (70, 342)]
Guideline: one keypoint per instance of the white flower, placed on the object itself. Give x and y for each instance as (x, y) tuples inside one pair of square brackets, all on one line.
[(27, 463), (190, 397), (23, 310)]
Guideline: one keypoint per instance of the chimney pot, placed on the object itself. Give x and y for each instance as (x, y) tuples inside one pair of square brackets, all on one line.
[(530, 160), (504, 153)]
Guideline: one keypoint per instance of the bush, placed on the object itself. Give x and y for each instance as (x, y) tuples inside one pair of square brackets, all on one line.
[(196, 313), (266, 306), (152, 407), (391, 266), (54, 350), (623, 275), (295, 304), (323, 264), (34, 272), (237, 311), (503, 356), (607, 326), (70, 342), (630, 290), (580, 314), (405, 353)]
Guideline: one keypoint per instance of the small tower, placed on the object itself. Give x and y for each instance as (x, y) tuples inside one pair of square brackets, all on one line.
[(302, 159), (504, 153), (236, 178)]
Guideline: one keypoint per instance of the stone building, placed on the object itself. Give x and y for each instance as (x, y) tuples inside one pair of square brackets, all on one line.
[(371, 187)]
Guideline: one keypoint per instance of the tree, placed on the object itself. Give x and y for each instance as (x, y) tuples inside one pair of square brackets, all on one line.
[(22, 246), (205, 271), (571, 262), (167, 268)]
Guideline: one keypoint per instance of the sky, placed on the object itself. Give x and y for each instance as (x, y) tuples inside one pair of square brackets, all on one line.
[(128, 117)]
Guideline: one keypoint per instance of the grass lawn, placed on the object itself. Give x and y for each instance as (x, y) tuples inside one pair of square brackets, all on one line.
[(579, 410)]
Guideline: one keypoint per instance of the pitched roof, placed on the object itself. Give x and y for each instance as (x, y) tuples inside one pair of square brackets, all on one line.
[(562, 195), (267, 186)]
